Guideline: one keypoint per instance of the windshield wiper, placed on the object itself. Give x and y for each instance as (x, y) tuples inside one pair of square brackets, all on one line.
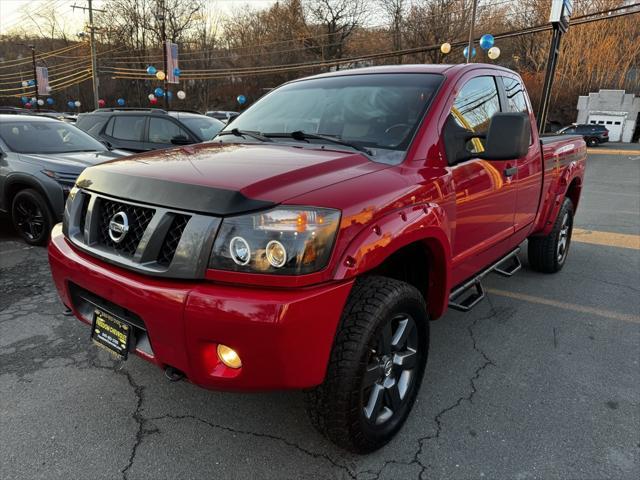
[(302, 136), (244, 133)]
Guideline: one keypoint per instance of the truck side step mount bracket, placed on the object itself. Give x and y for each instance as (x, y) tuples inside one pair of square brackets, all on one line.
[(506, 266)]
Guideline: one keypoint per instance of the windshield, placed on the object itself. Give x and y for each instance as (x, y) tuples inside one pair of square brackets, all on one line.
[(205, 127), (378, 111), (47, 137)]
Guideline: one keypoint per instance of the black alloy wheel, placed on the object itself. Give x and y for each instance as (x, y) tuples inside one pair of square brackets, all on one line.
[(31, 217)]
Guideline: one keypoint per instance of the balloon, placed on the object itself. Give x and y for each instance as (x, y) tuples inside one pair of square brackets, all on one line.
[(160, 75), (176, 72), (31, 83), (40, 102), (154, 101), (24, 99), (181, 95), (77, 103), (33, 100), (151, 96), (151, 70), (121, 102), (71, 104), (50, 101), (494, 52), (27, 105), (445, 48), (241, 99), (101, 103), (25, 83), (486, 41), (466, 50), (159, 92)]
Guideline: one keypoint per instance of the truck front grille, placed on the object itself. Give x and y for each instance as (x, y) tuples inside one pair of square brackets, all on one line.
[(160, 241), (139, 218), (172, 239)]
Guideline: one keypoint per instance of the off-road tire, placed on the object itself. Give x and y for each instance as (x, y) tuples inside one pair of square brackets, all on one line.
[(336, 407), (39, 212), (544, 252)]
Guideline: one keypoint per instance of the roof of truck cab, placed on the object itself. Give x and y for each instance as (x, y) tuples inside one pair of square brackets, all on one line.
[(414, 68)]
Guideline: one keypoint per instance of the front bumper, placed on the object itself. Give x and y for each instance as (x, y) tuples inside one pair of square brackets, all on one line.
[(283, 336)]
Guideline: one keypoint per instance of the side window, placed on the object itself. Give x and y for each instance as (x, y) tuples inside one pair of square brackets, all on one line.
[(570, 130), (162, 130), (126, 127), (474, 106), (515, 94)]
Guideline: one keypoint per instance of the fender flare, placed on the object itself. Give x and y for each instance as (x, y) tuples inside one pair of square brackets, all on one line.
[(381, 238), (560, 188), (31, 182)]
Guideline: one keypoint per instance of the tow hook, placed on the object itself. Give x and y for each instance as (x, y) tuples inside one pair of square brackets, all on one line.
[(173, 374)]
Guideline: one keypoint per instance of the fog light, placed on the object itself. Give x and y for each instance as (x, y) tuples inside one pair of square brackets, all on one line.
[(276, 254), (229, 356), (240, 251)]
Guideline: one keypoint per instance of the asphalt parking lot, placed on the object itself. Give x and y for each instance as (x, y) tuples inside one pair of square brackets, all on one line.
[(542, 380)]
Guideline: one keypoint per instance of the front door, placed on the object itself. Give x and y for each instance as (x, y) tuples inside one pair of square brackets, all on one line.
[(485, 195)]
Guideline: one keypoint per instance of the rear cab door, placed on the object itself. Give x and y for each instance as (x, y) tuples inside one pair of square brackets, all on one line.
[(528, 179)]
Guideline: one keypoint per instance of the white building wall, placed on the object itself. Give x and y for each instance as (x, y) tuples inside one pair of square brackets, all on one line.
[(611, 102)]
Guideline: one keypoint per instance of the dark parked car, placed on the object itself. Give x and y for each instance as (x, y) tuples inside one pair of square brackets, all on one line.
[(40, 159), (140, 130), (594, 135)]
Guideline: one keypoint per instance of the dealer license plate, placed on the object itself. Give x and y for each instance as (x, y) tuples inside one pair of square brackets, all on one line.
[(111, 333)]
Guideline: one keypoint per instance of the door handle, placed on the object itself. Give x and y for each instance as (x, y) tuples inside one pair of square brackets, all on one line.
[(510, 171)]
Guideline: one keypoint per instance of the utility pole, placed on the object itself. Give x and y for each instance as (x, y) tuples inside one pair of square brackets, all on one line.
[(94, 56), (473, 21), (561, 11), (164, 54), (35, 76)]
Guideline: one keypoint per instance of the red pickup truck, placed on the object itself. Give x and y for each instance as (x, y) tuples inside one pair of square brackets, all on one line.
[(309, 244)]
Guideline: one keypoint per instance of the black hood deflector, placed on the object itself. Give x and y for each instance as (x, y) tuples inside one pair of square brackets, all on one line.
[(168, 194)]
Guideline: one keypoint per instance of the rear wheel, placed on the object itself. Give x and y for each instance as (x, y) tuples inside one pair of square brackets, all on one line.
[(548, 254), (31, 217), (376, 366)]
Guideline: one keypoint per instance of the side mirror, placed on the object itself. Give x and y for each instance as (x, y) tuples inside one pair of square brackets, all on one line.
[(180, 140), (508, 137), (107, 144)]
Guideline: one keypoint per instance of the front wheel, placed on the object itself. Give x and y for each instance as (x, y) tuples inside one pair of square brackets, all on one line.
[(548, 254), (31, 217), (376, 366), (592, 142)]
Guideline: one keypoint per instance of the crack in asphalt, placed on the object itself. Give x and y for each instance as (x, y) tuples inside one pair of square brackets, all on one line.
[(137, 417), (289, 443)]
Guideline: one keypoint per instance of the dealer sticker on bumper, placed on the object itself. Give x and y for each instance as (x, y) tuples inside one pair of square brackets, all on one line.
[(110, 333)]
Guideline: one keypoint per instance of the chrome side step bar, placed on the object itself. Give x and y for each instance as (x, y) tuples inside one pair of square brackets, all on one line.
[(464, 303)]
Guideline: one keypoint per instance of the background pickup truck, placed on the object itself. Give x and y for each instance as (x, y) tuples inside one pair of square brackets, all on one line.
[(310, 244)]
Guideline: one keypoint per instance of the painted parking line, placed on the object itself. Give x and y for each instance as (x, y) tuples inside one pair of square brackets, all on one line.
[(624, 317), (612, 151), (609, 239)]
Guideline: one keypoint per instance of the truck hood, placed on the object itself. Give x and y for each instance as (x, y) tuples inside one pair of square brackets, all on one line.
[(71, 160), (225, 179)]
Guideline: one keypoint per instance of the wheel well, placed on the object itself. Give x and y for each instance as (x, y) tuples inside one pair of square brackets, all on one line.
[(410, 264), (15, 187), (573, 192)]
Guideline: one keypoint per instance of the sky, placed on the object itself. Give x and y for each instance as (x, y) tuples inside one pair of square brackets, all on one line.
[(14, 13)]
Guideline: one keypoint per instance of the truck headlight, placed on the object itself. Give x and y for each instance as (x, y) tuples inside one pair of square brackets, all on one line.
[(285, 240)]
